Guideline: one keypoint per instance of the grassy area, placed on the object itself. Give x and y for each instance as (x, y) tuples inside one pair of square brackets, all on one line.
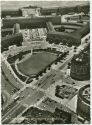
[(44, 116), (36, 63), (37, 113), (23, 78), (6, 85), (65, 91)]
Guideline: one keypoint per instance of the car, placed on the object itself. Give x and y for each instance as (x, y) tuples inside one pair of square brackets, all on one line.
[(22, 96), (16, 98), (12, 91), (73, 83), (38, 99), (39, 84)]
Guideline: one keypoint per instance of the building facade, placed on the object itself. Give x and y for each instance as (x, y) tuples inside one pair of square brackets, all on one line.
[(80, 66), (83, 102)]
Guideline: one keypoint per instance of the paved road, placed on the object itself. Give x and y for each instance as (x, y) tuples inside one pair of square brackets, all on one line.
[(9, 112), (15, 112), (69, 57), (46, 81), (32, 96), (29, 96), (71, 54)]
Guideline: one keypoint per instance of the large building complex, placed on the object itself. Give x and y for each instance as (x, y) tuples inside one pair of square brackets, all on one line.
[(83, 104), (30, 11), (72, 38), (45, 10)]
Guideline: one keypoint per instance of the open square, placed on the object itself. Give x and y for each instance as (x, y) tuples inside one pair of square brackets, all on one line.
[(36, 63)]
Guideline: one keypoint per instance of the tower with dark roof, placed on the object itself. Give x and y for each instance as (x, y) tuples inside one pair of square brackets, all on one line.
[(80, 66), (16, 28)]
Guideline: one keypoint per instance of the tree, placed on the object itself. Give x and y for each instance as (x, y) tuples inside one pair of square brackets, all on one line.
[(68, 18), (58, 11), (2, 99), (78, 9), (62, 29), (80, 17)]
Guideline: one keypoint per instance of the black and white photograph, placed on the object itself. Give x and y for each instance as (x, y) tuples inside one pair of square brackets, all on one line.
[(45, 62)]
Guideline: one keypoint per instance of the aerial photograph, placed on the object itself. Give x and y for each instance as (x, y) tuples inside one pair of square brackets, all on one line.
[(45, 62)]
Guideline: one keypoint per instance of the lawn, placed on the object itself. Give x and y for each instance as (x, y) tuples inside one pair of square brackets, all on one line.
[(6, 85), (36, 63)]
